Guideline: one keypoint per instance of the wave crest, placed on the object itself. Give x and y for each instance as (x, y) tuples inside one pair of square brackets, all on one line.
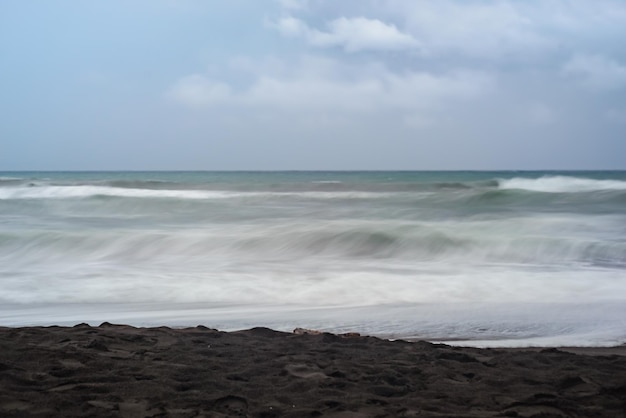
[(560, 184), (303, 242), (61, 192)]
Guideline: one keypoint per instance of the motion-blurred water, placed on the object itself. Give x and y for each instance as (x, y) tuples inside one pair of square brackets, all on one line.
[(496, 258)]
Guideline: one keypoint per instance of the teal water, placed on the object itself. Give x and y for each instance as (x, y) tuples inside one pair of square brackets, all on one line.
[(493, 258)]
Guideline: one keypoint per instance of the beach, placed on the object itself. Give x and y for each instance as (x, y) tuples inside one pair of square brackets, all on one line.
[(122, 371), (441, 294)]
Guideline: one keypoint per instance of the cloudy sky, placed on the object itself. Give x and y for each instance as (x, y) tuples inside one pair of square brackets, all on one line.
[(318, 84)]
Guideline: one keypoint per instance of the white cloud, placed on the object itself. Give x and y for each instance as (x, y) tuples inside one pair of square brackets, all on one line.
[(357, 34), (472, 28), (352, 34), (323, 85), (597, 71), (499, 29)]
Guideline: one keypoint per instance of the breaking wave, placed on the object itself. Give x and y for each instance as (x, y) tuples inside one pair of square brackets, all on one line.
[(60, 192), (461, 243), (561, 184)]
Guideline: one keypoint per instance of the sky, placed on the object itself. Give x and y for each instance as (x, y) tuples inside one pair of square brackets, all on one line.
[(312, 85)]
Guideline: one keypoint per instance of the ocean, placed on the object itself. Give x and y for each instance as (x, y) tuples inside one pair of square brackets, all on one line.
[(464, 257)]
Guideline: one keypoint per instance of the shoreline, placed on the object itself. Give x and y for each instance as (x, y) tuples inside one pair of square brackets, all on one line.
[(123, 371), (483, 325)]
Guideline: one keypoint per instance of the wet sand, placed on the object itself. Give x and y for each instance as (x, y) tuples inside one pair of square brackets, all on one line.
[(122, 371)]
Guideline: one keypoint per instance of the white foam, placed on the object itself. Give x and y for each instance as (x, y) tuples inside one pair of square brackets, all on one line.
[(561, 184), (117, 274), (61, 192)]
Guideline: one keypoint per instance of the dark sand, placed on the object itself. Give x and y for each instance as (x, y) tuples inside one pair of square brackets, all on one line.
[(123, 371)]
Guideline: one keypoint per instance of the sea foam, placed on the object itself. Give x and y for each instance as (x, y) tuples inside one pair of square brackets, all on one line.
[(561, 184)]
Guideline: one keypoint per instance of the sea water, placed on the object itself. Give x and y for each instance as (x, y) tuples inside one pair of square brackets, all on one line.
[(474, 258)]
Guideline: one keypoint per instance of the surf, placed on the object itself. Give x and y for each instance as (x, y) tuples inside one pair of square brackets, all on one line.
[(314, 241), (560, 184)]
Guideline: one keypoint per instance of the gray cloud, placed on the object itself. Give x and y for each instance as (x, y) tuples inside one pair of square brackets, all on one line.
[(429, 84), (597, 71), (315, 84)]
